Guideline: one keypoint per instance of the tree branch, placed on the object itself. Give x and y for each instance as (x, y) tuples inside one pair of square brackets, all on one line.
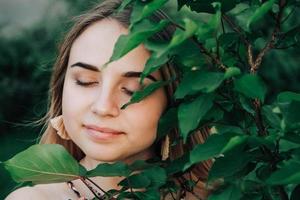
[(236, 28)]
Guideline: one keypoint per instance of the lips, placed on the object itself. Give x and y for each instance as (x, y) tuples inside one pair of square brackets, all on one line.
[(101, 133)]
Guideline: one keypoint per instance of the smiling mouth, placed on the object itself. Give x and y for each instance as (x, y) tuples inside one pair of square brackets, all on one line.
[(99, 133)]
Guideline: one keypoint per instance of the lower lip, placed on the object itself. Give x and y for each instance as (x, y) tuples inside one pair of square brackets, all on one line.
[(101, 136)]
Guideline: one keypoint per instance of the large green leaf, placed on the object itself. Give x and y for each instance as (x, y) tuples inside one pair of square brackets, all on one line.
[(288, 174), (142, 10), (190, 114), (196, 81), (140, 95), (107, 169), (229, 164), (215, 145), (260, 12), (43, 163), (138, 34), (251, 86)]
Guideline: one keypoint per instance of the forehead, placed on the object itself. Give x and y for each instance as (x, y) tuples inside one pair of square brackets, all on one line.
[(95, 46)]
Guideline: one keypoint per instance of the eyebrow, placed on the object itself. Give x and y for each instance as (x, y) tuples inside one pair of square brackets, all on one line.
[(129, 74)]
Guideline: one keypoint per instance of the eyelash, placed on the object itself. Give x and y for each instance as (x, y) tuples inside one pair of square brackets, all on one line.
[(87, 84)]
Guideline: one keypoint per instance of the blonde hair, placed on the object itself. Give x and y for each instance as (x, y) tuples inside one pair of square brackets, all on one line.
[(107, 10)]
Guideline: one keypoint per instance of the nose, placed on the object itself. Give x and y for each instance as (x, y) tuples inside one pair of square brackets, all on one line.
[(105, 104)]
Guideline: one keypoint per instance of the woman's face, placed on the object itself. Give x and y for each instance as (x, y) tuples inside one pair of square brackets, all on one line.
[(92, 97)]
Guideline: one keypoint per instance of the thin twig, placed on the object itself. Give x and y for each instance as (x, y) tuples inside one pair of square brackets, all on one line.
[(89, 187), (258, 118), (236, 28), (96, 185)]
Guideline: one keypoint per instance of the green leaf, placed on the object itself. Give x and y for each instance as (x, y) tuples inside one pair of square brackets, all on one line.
[(246, 104), (178, 164), (136, 181), (124, 4), (289, 38), (190, 27), (260, 12), (272, 118), (43, 163), (291, 114), (196, 81), (190, 114), (168, 121), (138, 34), (142, 10), (285, 145), (231, 72), (155, 61), (207, 5), (288, 97), (162, 52), (231, 192), (229, 165), (212, 147), (208, 30), (296, 193), (149, 194), (188, 55), (106, 169), (288, 174), (140, 95), (251, 86), (157, 175), (234, 141), (140, 165)]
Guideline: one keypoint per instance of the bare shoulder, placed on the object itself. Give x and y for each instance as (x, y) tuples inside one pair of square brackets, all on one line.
[(26, 193)]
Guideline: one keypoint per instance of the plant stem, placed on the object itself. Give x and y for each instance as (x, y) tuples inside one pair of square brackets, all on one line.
[(96, 185), (89, 187), (258, 119)]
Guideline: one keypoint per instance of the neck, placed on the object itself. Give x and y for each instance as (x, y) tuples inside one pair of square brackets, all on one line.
[(108, 183), (90, 163)]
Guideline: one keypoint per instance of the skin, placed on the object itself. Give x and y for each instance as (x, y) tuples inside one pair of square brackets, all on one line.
[(94, 97)]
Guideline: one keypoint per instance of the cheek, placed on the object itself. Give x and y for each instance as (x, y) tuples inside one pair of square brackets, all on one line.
[(73, 104), (143, 117)]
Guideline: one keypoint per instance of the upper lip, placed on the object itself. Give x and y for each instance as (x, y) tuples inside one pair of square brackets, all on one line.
[(102, 129)]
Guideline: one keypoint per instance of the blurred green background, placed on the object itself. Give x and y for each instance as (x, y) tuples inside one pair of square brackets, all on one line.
[(30, 31)]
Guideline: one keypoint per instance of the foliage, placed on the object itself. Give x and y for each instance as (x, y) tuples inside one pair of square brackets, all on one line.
[(255, 144)]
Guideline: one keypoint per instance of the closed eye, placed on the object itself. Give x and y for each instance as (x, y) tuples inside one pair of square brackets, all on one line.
[(86, 84), (128, 92)]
